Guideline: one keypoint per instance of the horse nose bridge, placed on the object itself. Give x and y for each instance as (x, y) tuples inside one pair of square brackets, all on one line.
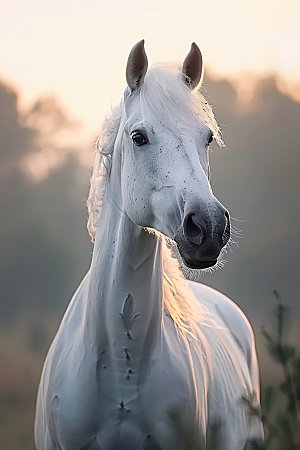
[(195, 195), (193, 180)]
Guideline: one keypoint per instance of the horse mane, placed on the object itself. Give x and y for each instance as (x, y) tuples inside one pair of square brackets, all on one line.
[(163, 90)]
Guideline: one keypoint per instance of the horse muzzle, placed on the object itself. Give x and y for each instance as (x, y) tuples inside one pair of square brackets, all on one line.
[(201, 237)]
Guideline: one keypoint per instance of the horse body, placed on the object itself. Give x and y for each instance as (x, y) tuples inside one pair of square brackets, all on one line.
[(144, 359)]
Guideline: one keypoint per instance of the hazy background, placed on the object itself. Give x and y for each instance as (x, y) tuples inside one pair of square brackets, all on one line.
[(62, 66)]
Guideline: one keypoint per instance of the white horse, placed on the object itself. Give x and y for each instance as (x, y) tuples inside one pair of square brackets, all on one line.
[(144, 359)]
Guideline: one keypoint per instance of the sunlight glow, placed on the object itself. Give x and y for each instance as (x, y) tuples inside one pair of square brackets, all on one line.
[(78, 50)]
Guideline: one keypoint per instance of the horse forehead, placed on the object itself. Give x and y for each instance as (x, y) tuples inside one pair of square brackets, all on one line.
[(164, 124), (164, 114)]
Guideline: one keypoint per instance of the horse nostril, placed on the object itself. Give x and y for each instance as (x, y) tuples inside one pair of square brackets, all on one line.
[(226, 233), (193, 230)]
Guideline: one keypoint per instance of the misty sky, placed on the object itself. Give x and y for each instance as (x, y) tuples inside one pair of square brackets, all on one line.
[(78, 49)]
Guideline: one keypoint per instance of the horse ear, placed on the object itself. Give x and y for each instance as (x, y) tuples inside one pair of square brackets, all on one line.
[(192, 67), (137, 65)]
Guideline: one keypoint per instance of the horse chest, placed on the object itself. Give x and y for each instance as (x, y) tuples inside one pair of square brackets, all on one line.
[(111, 409)]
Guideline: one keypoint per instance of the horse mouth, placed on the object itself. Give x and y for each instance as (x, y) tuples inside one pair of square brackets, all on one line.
[(205, 264), (193, 263), (197, 256)]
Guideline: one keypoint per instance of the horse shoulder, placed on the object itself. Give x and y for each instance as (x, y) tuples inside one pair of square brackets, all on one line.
[(227, 314), (54, 379)]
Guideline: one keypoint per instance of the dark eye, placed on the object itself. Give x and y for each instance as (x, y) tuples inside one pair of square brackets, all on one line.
[(139, 138), (210, 138)]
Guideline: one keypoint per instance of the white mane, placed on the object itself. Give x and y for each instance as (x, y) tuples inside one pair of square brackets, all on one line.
[(162, 90)]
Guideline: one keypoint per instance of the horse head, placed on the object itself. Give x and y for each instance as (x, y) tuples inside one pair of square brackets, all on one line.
[(163, 140)]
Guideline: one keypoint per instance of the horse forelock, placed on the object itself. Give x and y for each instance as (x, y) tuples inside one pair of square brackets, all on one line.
[(164, 91)]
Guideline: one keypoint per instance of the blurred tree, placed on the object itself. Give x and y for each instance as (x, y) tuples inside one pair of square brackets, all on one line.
[(256, 177), (16, 138), (281, 402), (41, 259)]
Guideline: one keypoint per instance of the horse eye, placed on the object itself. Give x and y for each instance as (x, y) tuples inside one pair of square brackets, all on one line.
[(210, 138), (138, 138)]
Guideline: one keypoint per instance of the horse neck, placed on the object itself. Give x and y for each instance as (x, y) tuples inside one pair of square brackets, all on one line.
[(125, 293)]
